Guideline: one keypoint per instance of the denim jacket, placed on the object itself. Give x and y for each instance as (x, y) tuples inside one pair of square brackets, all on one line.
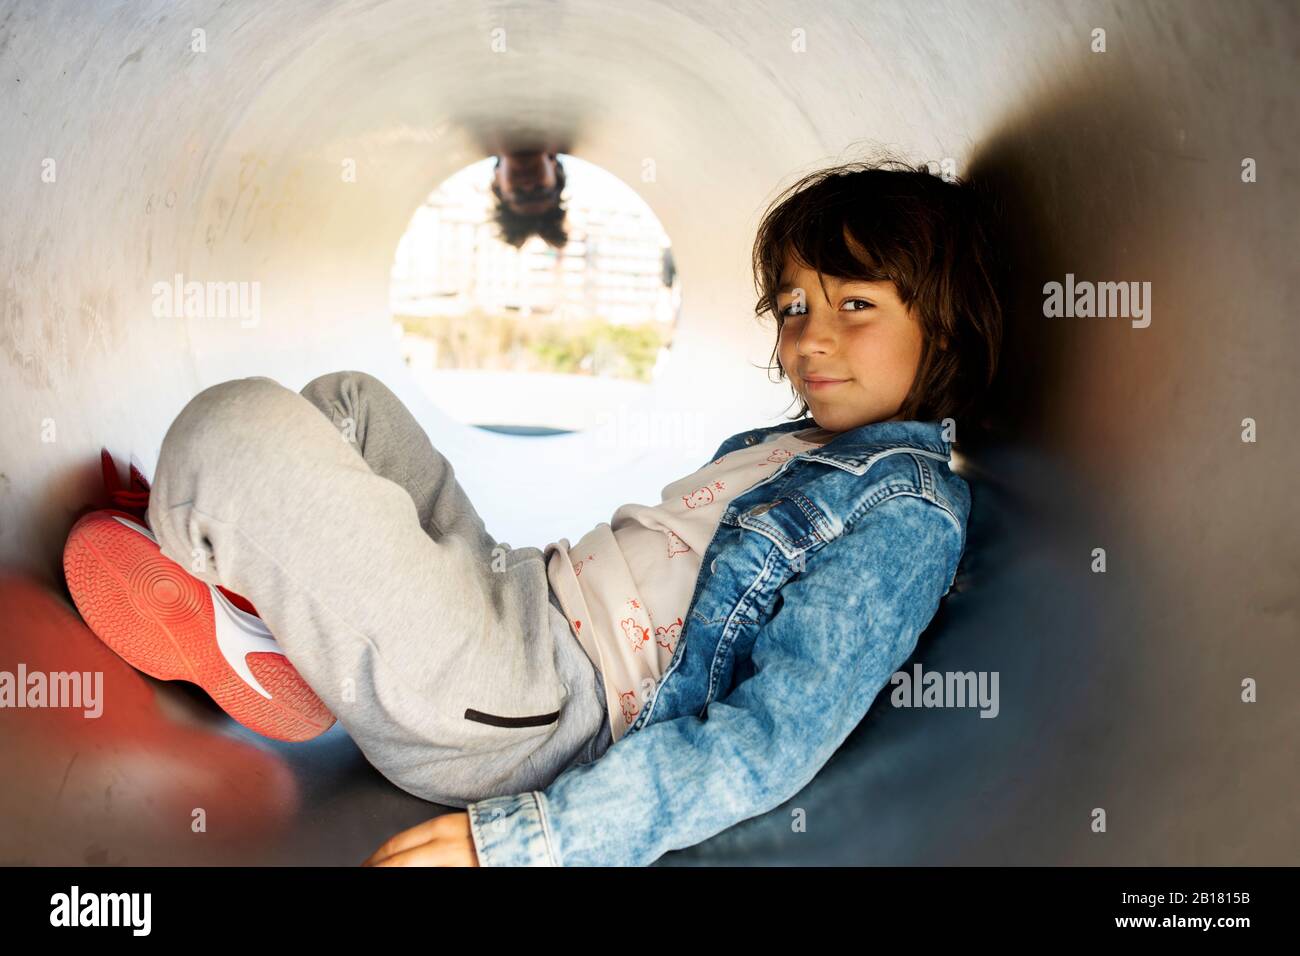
[(812, 592)]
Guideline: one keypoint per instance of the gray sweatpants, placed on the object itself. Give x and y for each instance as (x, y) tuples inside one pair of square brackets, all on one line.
[(445, 655)]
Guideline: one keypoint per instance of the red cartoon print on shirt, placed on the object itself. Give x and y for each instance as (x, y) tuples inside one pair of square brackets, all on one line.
[(703, 496), (627, 702), (634, 632), (676, 545), (777, 456), (577, 568), (667, 636)]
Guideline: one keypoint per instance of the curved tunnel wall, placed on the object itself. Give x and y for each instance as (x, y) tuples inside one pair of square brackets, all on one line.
[(1123, 165)]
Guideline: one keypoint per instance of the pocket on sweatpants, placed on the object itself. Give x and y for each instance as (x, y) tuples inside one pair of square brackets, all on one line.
[(505, 734), (510, 720), (495, 719)]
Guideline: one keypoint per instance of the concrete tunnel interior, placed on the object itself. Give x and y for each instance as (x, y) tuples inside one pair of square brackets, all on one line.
[(1122, 164)]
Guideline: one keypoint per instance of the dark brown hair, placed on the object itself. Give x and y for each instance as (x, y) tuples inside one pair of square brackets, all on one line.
[(516, 228), (888, 220)]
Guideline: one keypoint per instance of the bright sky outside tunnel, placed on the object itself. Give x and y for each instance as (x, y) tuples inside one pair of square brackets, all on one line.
[(540, 336)]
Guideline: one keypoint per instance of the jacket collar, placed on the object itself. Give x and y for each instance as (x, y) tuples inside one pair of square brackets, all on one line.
[(855, 449)]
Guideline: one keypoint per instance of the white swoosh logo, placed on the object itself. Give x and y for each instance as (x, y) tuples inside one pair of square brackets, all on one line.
[(238, 632)]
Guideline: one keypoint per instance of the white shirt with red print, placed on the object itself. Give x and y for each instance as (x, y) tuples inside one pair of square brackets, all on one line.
[(626, 585)]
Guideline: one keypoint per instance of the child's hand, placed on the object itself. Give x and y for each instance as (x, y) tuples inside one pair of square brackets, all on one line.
[(442, 841)]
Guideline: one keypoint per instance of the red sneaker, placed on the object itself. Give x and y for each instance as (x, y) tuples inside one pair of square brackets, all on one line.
[(164, 621), (134, 500)]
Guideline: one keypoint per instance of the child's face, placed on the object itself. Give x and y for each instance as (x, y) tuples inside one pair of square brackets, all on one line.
[(862, 336)]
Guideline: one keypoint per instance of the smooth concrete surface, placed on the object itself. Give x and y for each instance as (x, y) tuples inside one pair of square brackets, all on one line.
[(1119, 691)]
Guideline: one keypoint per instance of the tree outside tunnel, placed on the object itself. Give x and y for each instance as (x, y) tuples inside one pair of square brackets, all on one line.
[(539, 322)]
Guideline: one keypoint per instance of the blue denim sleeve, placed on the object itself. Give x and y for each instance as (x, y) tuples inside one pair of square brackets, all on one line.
[(844, 624)]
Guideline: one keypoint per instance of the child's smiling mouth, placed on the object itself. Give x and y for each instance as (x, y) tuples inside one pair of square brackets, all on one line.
[(820, 384)]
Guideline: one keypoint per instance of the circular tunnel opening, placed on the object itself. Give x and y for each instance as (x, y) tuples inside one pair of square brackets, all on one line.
[(532, 291)]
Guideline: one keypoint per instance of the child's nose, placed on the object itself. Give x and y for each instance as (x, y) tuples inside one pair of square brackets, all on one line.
[(815, 336)]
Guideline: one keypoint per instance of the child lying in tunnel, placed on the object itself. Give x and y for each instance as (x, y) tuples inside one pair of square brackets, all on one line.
[(681, 668)]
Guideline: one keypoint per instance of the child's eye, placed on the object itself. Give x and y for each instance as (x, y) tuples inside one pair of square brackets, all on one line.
[(866, 304), (798, 310)]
